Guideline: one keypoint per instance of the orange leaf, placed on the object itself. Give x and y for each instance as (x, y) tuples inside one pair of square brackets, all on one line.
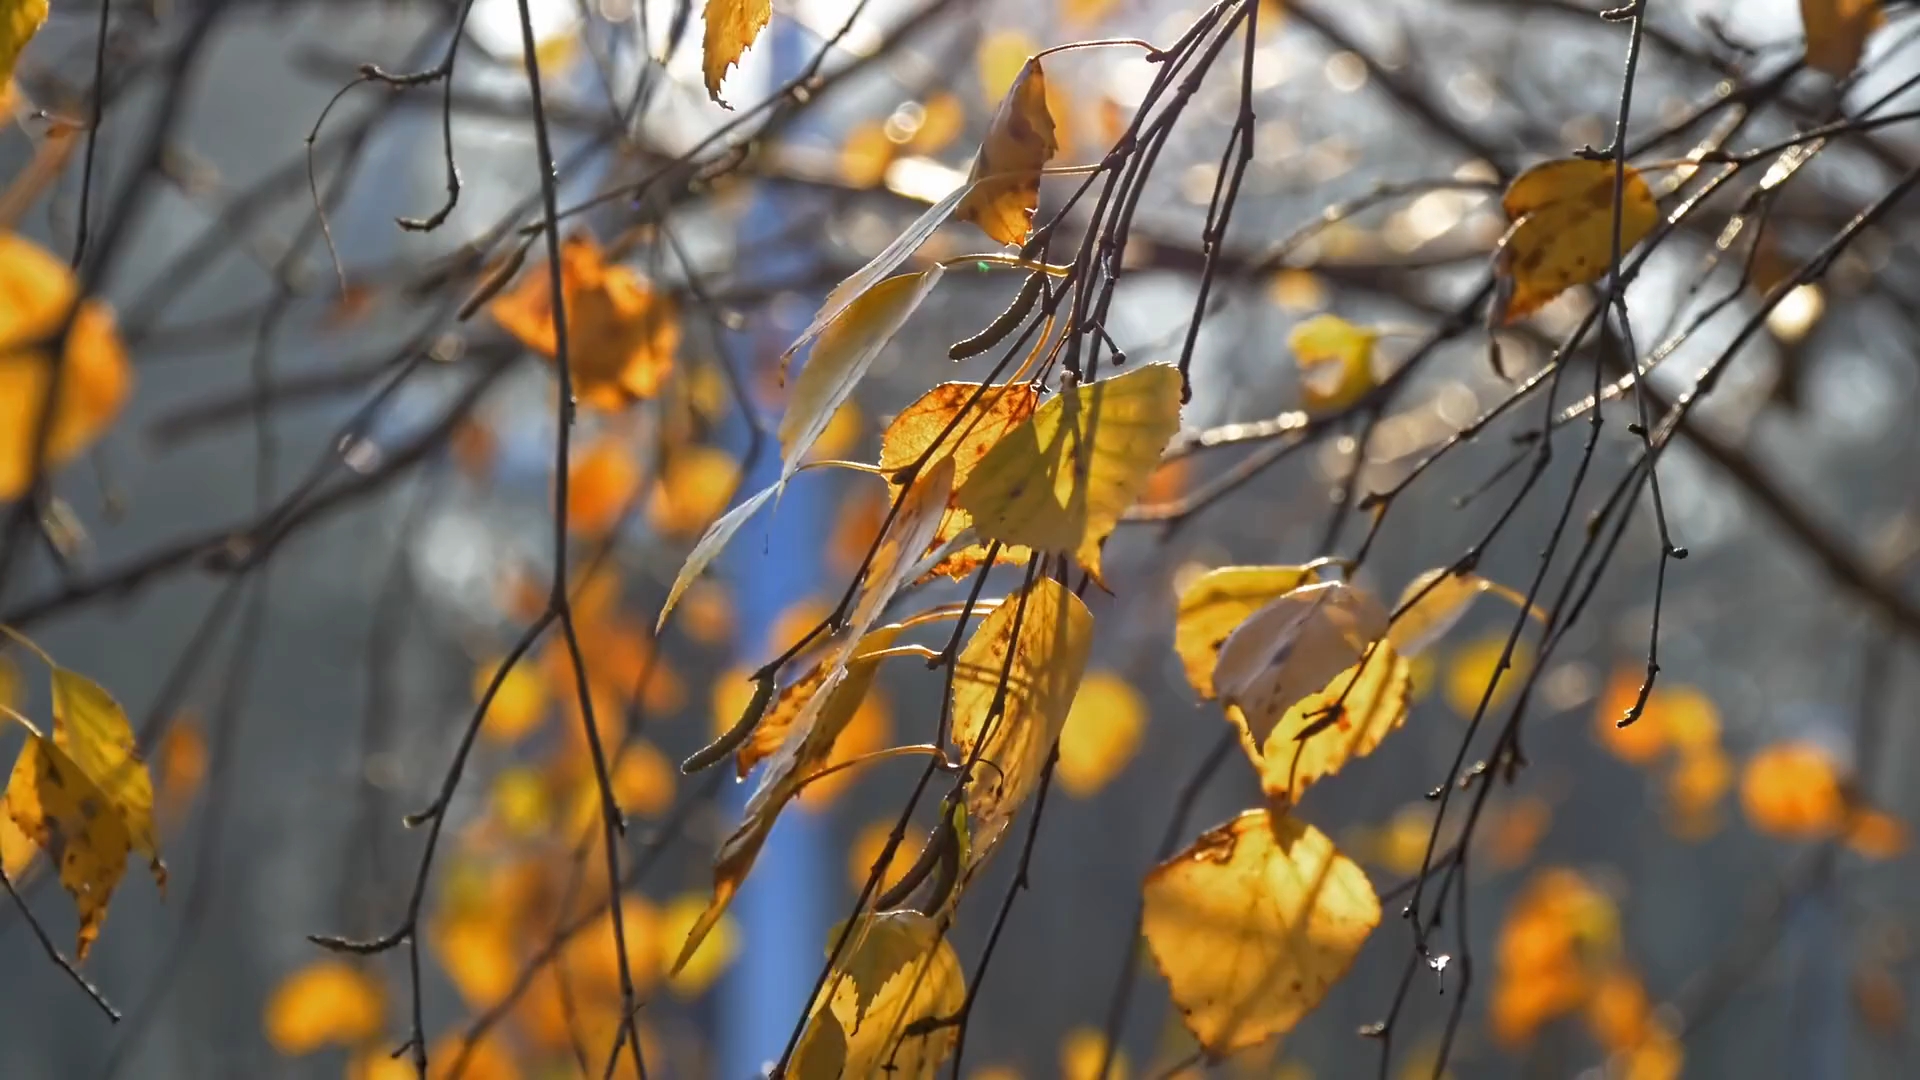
[(1004, 185), (1101, 735), (732, 25), (326, 1003), (1793, 790), (621, 334), (601, 483), (1837, 32)]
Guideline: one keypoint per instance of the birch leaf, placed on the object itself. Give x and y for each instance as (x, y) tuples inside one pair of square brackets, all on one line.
[(732, 25), (1435, 601), (714, 541), (898, 969), (1348, 719), (1561, 232), (845, 350), (1292, 647), (1039, 642), (53, 801), (1335, 358), (93, 731), (1220, 600), (1253, 924), (1004, 185), (621, 333), (1060, 481), (923, 425), (19, 21)]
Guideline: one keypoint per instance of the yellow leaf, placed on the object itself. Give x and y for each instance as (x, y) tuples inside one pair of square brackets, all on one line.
[(865, 154), (57, 803), (479, 953), (979, 417), (1472, 668), (1619, 1014), (643, 780), (1003, 189), (695, 974), (732, 25), (1436, 600), (1039, 671), (1102, 733), (19, 21), (1060, 481), (1335, 359), (695, 485), (621, 334), (706, 613), (1876, 834), (942, 118), (1401, 844), (601, 484), (897, 969), (93, 730), (709, 547), (1837, 32), (1793, 790), (845, 349), (867, 847), (1253, 924), (1561, 232), (1082, 1053), (517, 707), (520, 802), (326, 1003), (1323, 731), (1084, 14), (1292, 647), (1000, 58), (912, 532), (36, 292), (1695, 786), (1220, 600), (869, 729)]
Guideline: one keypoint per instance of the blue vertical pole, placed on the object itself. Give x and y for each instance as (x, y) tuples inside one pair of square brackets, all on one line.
[(775, 561)]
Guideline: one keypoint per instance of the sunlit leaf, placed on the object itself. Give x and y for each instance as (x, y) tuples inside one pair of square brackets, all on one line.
[(1220, 600), (479, 953), (1471, 668), (1101, 735), (19, 21), (1876, 834), (621, 333), (57, 803), (867, 847), (1335, 359), (695, 485), (1083, 1052), (520, 802), (1793, 790), (601, 484), (36, 293), (1697, 782), (1443, 598), (1320, 733), (1676, 717), (518, 705), (1026, 658), (732, 25), (1837, 32), (923, 426), (1560, 935), (845, 349), (326, 1003), (1292, 647), (643, 780), (709, 547), (93, 730), (693, 975), (897, 969), (1060, 481), (1561, 231), (1253, 924), (1004, 185), (914, 529)]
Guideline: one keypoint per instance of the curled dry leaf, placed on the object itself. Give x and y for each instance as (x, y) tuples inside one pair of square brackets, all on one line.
[(1220, 600), (1335, 358), (845, 349), (1837, 32), (1292, 647), (1003, 189), (980, 416), (36, 293), (732, 25), (1561, 231), (1060, 481), (1436, 600), (1253, 924), (1323, 731), (56, 803), (897, 969), (1035, 646), (621, 334)]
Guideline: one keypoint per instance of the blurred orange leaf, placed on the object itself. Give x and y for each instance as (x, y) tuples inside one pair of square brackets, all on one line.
[(1559, 937), (1793, 790), (1253, 924), (518, 705), (1561, 231), (621, 334), (1876, 834), (1004, 186), (1675, 717), (600, 485), (326, 1003), (1517, 830), (865, 850), (1102, 733), (695, 485)]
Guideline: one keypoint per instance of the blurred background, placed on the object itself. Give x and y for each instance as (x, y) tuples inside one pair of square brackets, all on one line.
[(316, 392)]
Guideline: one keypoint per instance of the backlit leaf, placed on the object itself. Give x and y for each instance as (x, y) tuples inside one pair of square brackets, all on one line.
[(695, 485), (479, 953), (56, 803), (849, 691), (845, 349), (1038, 641), (1439, 599), (1472, 667), (1837, 32), (709, 547), (518, 705), (1253, 924), (694, 974), (1291, 647), (923, 425), (36, 292), (1084, 1050), (1560, 936), (1676, 717), (1335, 359), (19, 21), (326, 1003), (601, 484), (1793, 790), (621, 333), (897, 969), (1561, 231), (1220, 600), (732, 25), (93, 730), (1060, 481), (1348, 719), (1004, 185), (1101, 735)]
